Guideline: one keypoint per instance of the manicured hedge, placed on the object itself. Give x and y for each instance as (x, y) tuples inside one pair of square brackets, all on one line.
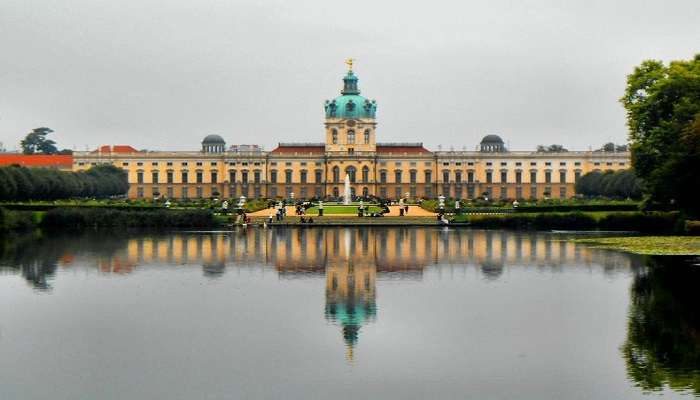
[(104, 217), (579, 207), (640, 222), (19, 183)]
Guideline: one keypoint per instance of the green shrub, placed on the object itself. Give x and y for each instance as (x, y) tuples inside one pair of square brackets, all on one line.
[(641, 222), (106, 217)]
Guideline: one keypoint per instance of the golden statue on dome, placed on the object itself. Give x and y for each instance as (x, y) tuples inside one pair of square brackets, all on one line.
[(349, 62)]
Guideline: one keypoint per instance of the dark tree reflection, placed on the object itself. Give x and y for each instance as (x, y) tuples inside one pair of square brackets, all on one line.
[(663, 338), (37, 255)]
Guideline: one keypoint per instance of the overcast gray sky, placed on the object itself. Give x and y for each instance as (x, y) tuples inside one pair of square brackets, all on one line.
[(163, 74)]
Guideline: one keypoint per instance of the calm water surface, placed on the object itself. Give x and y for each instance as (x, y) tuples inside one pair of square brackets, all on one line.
[(386, 313)]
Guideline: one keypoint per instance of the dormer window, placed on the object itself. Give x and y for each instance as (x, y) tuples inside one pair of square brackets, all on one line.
[(367, 136)]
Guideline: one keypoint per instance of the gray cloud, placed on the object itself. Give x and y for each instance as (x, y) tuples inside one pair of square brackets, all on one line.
[(163, 74)]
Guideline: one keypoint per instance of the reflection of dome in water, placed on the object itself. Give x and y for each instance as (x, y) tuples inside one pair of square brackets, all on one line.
[(213, 270), (491, 270), (351, 316)]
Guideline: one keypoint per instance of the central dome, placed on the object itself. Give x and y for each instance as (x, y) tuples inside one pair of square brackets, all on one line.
[(350, 104)]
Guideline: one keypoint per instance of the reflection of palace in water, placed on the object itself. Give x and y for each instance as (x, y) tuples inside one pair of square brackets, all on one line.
[(350, 259)]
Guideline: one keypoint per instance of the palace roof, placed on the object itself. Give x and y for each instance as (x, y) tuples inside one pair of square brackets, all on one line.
[(299, 148), (37, 160), (401, 148)]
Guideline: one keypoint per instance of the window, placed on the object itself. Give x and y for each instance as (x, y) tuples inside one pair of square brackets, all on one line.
[(548, 163), (504, 177), (185, 192), (154, 163), (169, 177), (503, 164), (518, 179), (470, 178), (351, 137), (518, 164), (200, 177), (170, 192), (232, 176), (244, 177), (562, 192), (273, 176), (562, 164), (504, 192), (124, 164), (319, 176), (288, 176), (382, 178), (547, 177), (577, 163), (334, 136), (351, 172), (562, 176), (446, 176), (488, 164), (169, 164), (367, 136), (302, 178), (139, 192), (533, 176), (489, 177), (365, 174), (214, 177), (532, 164), (351, 151), (184, 177), (199, 163), (412, 176), (273, 192), (577, 176), (184, 163), (213, 163), (139, 177), (140, 164), (256, 177), (398, 192), (154, 176), (428, 176), (518, 192), (336, 174), (200, 192), (397, 177)]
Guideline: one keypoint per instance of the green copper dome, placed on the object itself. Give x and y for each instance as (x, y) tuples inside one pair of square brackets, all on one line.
[(350, 104)]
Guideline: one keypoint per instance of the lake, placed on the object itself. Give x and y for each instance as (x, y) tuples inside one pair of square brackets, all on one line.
[(342, 313)]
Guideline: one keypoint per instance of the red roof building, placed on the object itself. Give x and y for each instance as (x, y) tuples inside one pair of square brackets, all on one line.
[(58, 161)]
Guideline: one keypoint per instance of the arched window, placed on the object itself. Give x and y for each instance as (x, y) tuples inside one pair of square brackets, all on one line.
[(365, 191), (334, 136), (366, 136), (336, 193), (365, 174), (352, 172), (351, 137), (336, 174)]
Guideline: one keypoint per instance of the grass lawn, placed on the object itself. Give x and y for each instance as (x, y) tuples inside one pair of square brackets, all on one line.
[(350, 210), (649, 245)]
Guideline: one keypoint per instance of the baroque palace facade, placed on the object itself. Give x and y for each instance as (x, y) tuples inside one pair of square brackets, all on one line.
[(318, 170)]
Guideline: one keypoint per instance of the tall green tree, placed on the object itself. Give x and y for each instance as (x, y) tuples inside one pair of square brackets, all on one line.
[(552, 148), (663, 115), (36, 142)]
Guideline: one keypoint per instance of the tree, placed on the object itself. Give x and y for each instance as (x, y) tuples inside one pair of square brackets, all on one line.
[(611, 147), (663, 116), (36, 141), (552, 148)]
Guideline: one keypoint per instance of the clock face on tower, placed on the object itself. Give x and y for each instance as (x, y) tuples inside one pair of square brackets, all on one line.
[(350, 123)]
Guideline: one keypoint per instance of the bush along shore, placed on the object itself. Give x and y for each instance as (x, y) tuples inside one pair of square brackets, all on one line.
[(80, 218), (649, 222)]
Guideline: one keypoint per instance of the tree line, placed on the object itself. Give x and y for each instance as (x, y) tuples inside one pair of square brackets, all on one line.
[(619, 184), (19, 183)]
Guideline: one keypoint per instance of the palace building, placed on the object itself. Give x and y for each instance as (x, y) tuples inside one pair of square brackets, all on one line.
[(350, 149)]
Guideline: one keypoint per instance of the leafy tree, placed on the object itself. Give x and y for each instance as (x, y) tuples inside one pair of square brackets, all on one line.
[(552, 148), (36, 141), (619, 184), (611, 147), (663, 115)]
